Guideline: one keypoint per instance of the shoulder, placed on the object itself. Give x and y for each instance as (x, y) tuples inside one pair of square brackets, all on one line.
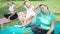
[(52, 15), (13, 5)]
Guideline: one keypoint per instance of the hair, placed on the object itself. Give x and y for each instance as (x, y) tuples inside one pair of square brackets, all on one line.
[(24, 2), (11, 1), (43, 5)]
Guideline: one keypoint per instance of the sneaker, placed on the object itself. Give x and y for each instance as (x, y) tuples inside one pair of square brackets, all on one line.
[(18, 26)]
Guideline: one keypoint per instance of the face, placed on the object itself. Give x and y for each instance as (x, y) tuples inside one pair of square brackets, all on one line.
[(9, 3), (44, 8), (27, 4)]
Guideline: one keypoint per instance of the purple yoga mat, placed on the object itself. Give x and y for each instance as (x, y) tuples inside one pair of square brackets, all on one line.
[(4, 20)]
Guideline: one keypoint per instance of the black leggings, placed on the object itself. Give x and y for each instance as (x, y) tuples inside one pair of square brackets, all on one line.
[(12, 17), (38, 30)]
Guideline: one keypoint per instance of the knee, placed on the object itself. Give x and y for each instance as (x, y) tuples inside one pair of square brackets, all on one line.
[(33, 28)]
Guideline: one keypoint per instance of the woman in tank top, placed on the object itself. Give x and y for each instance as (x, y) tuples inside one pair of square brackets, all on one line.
[(12, 9), (30, 16)]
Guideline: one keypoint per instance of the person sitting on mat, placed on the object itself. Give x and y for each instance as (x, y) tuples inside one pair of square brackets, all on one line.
[(30, 17), (47, 19), (12, 9)]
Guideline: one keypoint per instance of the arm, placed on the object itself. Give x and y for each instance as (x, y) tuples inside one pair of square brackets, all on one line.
[(29, 18), (34, 8), (52, 28), (37, 11), (37, 5)]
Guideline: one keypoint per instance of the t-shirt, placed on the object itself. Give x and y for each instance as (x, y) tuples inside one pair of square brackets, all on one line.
[(30, 12), (11, 8), (47, 20)]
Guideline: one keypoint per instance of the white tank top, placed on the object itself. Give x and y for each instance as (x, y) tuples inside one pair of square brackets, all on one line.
[(30, 12), (11, 8)]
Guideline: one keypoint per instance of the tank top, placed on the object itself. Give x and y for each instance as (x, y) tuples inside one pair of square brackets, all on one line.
[(30, 12), (11, 8)]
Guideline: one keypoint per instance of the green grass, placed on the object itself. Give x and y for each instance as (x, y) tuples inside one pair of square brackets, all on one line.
[(54, 6)]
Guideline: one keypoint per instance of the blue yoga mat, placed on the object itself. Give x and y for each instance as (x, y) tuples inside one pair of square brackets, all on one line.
[(14, 30), (57, 29)]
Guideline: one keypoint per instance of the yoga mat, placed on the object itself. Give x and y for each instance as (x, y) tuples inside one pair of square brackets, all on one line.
[(57, 29), (14, 30), (4, 20)]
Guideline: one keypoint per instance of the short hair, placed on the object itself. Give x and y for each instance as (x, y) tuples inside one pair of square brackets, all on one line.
[(24, 2), (43, 5), (11, 1)]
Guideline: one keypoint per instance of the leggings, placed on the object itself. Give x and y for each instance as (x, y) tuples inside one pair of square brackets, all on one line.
[(39, 30), (12, 17)]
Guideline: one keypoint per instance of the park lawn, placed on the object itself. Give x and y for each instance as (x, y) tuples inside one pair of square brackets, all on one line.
[(53, 6)]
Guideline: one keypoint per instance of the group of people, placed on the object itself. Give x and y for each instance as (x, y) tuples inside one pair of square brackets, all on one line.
[(47, 18)]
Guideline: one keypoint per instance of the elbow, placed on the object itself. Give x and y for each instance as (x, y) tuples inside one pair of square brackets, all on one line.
[(52, 27)]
